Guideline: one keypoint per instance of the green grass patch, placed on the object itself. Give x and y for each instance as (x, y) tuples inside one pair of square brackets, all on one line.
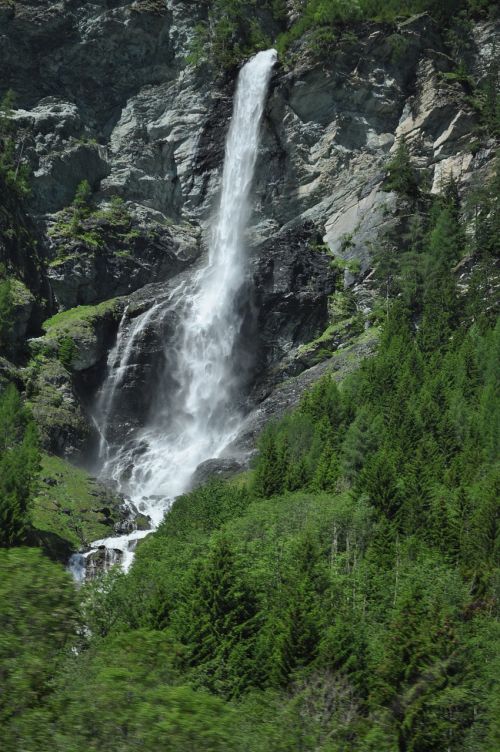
[(346, 327), (60, 260), (81, 314), (242, 480), (71, 506)]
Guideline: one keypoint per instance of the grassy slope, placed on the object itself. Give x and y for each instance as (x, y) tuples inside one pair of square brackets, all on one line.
[(71, 509)]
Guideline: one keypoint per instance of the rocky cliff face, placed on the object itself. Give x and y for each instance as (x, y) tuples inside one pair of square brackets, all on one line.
[(105, 95)]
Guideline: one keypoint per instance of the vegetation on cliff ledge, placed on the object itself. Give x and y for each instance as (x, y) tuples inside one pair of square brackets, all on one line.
[(227, 37), (83, 226)]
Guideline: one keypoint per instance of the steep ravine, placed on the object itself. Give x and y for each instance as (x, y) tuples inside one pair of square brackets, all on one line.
[(143, 126)]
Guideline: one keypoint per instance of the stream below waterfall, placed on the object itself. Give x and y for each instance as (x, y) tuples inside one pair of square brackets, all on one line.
[(196, 413)]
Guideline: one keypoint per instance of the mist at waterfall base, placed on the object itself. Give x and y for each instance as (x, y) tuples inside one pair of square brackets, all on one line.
[(199, 417)]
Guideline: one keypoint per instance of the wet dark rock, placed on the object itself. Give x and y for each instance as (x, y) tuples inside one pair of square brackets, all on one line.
[(132, 519), (100, 560), (293, 280), (215, 468), (284, 397), (127, 259)]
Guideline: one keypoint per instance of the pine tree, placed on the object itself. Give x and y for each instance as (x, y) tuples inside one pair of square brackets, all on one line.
[(304, 615), (81, 205), (218, 621), (401, 176), (324, 401), (304, 619), (327, 471), (416, 677), (269, 472), (297, 475), (445, 246), (482, 546), (344, 648), (417, 480), (362, 439), (272, 667), (382, 551), (379, 479)]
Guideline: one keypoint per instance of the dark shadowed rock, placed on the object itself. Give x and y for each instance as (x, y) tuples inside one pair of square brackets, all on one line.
[(217, 468)]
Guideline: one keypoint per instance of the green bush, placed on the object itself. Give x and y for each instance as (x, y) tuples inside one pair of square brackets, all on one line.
[(93, 227), (19, 463), (67, 351), (37, 624)]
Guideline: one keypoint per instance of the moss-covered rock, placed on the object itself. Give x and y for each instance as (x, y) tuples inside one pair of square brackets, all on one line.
[(71, 508), (74, 341), (89, 328), (23, 303), (335, 336), (112, 253), (61, 423), (9, 373)]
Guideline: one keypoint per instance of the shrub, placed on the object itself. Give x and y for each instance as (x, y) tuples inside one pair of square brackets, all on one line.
[(67, 351)]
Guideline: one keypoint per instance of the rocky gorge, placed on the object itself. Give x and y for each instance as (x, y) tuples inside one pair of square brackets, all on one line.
[(105, 94)]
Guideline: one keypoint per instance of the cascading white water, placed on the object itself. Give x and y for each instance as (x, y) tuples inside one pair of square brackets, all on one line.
[(205, 422), (200, 419)]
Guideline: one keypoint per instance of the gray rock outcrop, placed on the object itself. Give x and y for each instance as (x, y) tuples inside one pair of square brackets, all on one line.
[(105, 94)]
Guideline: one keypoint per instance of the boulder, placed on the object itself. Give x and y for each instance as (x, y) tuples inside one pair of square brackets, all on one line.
[(222, 469)]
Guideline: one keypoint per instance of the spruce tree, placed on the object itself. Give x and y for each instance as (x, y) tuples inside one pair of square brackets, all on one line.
[(81, 207), (218, 621), (327, 471), (401, 176), (445, 246), (379, 479), (362, 439), (269, 472)]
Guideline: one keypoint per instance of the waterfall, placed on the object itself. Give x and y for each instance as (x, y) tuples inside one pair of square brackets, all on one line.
[(198, 418)]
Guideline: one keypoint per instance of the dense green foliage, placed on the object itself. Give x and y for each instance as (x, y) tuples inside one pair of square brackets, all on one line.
[(341, 598), (19, 459), (38, 612), (227, 36)]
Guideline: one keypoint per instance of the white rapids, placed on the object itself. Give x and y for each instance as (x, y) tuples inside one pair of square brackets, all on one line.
[(201, 418)]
